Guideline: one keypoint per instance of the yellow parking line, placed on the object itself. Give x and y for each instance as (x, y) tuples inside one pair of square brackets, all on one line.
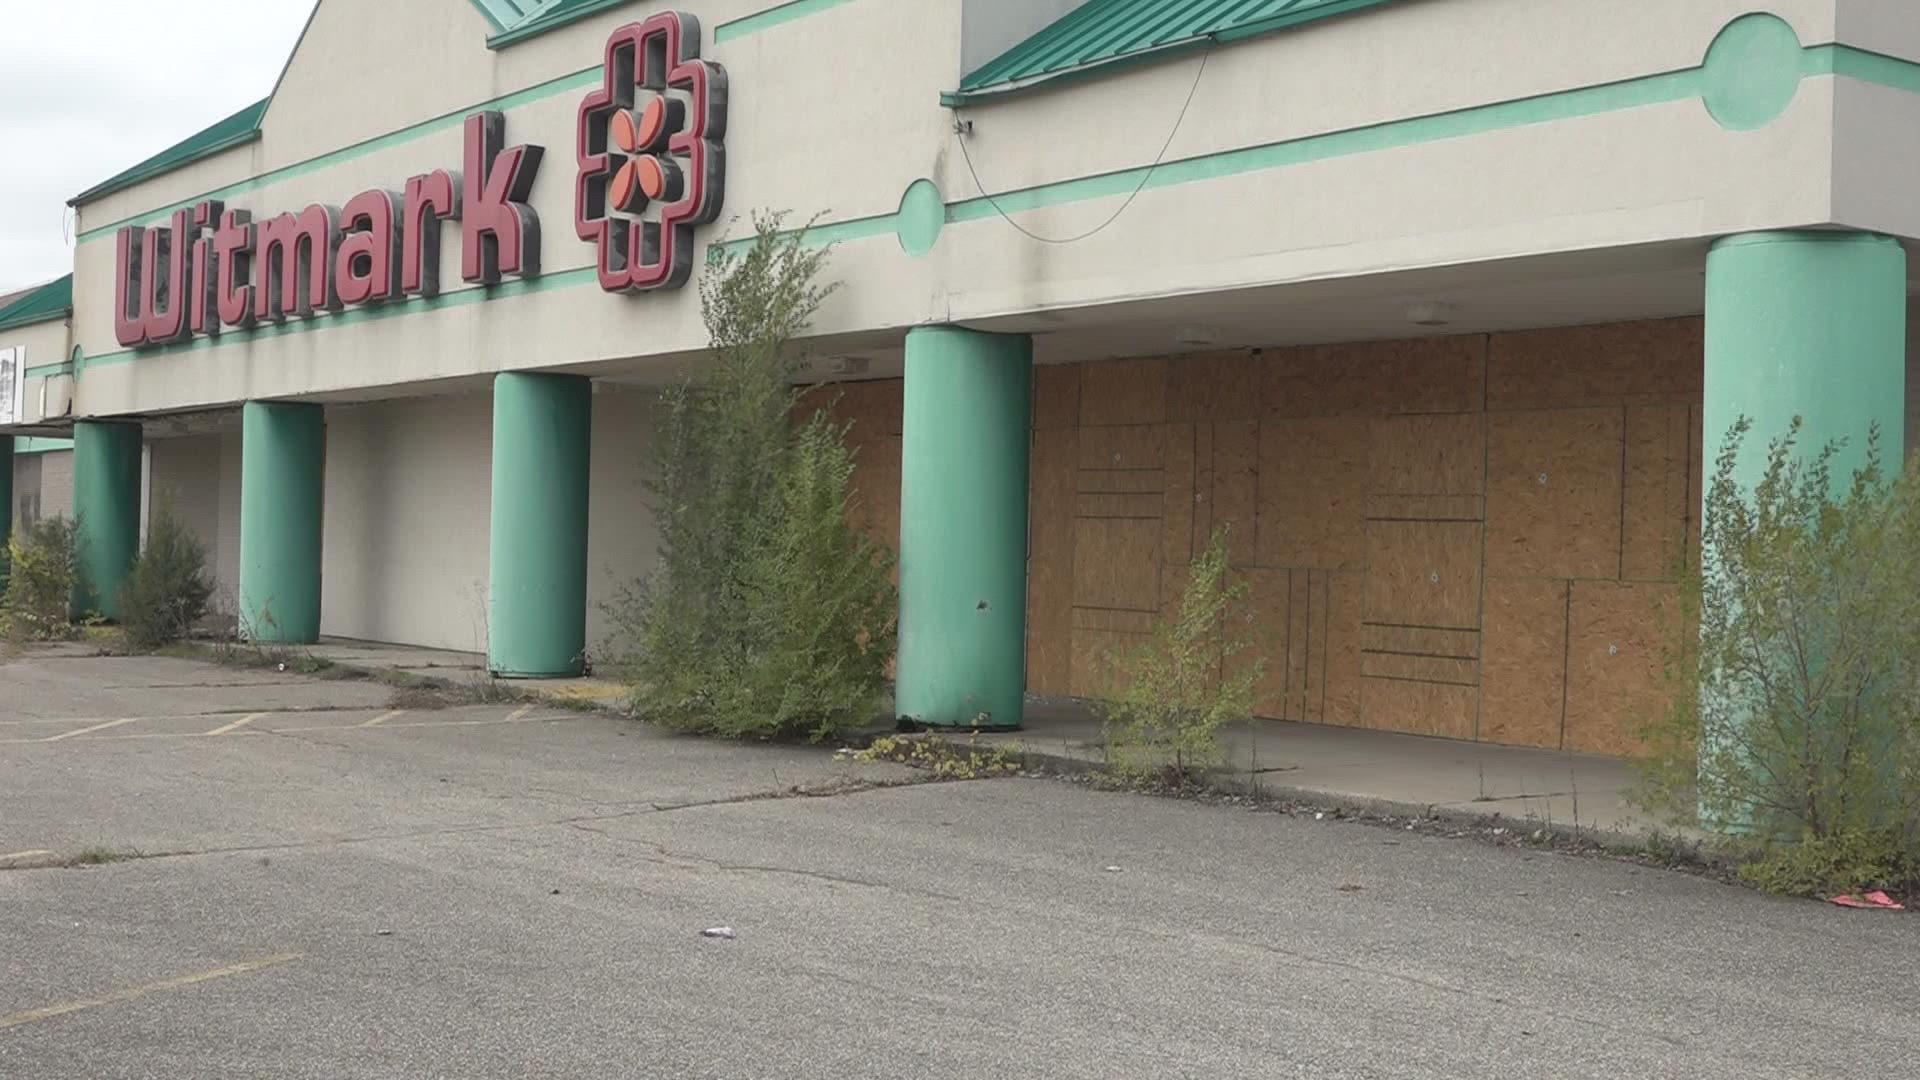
[(48, 1012), (236, 725), (84, 730), (382, 718)]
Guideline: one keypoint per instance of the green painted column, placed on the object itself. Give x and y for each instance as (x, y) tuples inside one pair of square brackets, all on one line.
[(106, 509), (1808, 324), (542, 448), (283, 453), (966, 430), (6, 488)]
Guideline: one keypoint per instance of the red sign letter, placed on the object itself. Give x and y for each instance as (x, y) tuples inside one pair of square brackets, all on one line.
[(500, 232)]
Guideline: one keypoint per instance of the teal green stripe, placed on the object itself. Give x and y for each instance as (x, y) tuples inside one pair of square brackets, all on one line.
[(34, 445), (1852, 63), (44, 370), (772, 17), (577, 81), (353, 316)]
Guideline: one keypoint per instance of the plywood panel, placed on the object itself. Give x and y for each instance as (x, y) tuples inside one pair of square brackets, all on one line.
[(1660, 361), (1428, 455), (1124, 622), (1346, 595), (1236, 475), (1696, 484), (1099, 658), (1523, 680), (1141, 446), (1553, 493), (1299, 642), (1202, 487), (1050, 562), (1214, 386), (1439, 669), (1313, 477), (1318, 603), (1056, 395), (1270, 599), (1123, 392), (873, 505), (1419, 708), (1116, 564), (1120, 481), (1658, 478), (1177, 540), (1420, 640), (1421, 375), (1619, 637), (1424, 573), (1134, 505), (1426, 507)]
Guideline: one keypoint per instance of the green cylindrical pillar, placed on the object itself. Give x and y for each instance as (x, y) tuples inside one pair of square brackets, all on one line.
[(283, 453), (542, 448), (1807, 324), (6, 488), (966, 428), (106, 509)]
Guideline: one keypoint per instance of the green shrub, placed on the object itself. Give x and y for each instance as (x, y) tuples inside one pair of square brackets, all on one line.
[(167, 588), (1792, 674), (769, 615), (43, 567), (1187, 680)]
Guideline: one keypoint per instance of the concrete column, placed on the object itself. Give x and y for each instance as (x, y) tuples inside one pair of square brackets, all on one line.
[(542, 448), (283, 450), (106, 508), (966, 431), (1808, 324)]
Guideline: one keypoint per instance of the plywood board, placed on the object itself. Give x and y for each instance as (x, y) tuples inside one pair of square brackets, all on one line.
[(1346, 595), (1202, 487), (1658, 479), (1319, 584), (1116, 564), (1299, 642), (1426, 507), (1696, 483), (1660, 361), (1119, 481), (1428, 455), (1236, 477), (1439, 669), (1553, 493), (1418, 708), (1523, 679), (1420, 640), (1619, 636), (1099, 661), (1270, 600), (1050, 562), (1177, 540), (1118, 505), (1124, 622), (1141, 446), (1420, 375), (873, 504), (1313, 478), (1056, 395), (1214, 386), (1424, 573), (1123, 392)]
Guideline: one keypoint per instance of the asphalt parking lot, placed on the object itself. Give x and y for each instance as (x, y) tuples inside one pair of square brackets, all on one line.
[(311, 883)]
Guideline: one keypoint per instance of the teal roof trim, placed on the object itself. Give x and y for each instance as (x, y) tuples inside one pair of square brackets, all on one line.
[(54, 300), (1103, 32), (236, 130), (545, 16)]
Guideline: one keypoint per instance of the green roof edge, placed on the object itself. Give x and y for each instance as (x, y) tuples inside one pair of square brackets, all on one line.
[(236, 130), (50, 301), (552, 19)]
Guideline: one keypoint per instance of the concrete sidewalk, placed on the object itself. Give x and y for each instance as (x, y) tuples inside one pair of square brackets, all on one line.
[(1368, 769), (461, 667)]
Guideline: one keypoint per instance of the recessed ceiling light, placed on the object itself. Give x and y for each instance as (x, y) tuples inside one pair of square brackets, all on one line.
[(1430, 313), (1193, 334)]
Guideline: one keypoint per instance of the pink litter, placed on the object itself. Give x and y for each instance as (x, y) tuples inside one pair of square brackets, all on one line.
[(1875, 900)]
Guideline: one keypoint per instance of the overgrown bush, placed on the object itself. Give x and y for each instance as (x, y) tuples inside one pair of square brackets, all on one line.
[(1187, 680), (168, 588), (769, 616), (43, 566), (1794, 722)]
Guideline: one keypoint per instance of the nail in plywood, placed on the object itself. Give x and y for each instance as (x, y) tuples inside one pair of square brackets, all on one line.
[(1426, 507), (1420, 640), (1553, 493), (1313, 476), (1438, 669), (1214, 386), (1428, 455), (1141, 446), (1345, 599), (1523, 679), (1422, 573), (1116, 563), (1424, 375), (1050, 562), (1177, 541), (1418, 708), (1616, 663), (1660, 361), (1118, 505), (1056, 395), (1657, 482), (1236, 470), (1123, 392)]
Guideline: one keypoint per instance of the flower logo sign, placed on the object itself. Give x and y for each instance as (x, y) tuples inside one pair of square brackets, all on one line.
[(652, 165)]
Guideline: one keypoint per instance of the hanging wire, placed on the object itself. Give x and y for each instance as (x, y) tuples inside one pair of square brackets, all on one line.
[(1137, 188)]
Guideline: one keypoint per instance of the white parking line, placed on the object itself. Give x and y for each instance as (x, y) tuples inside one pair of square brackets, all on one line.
[(84, 730), (236, 725), (382, 718), (12, 855)]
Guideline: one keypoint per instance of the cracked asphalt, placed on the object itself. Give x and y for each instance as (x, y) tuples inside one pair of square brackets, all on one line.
[(329, 888)]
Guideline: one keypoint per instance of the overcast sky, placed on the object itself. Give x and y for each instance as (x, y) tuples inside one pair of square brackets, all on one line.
[(89, 87)]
